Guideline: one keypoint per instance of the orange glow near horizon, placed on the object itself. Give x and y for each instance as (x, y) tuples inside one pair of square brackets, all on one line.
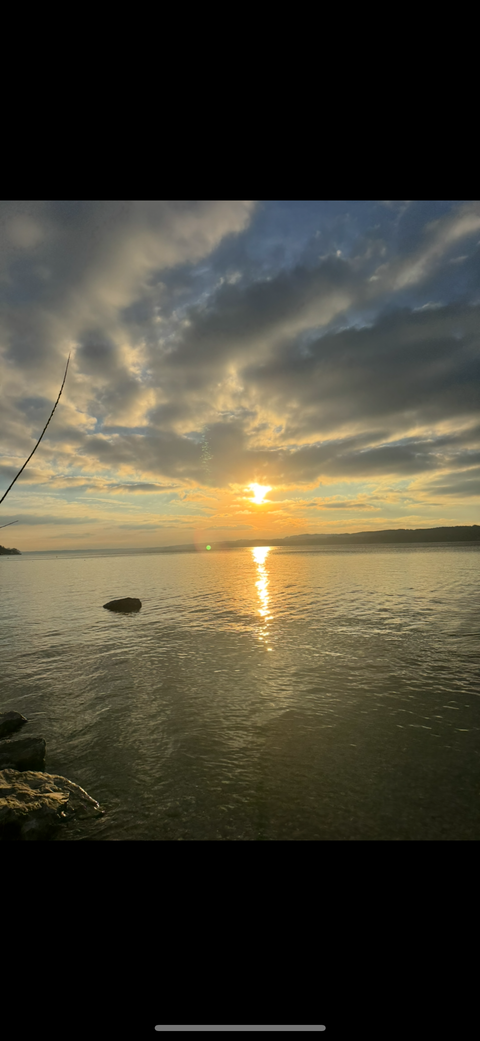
[(259, 492)]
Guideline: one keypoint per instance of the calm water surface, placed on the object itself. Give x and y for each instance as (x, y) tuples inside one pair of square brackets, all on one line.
[(258, 694)]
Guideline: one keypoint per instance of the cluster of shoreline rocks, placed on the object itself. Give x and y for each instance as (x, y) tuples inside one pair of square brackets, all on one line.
[(34, 804)]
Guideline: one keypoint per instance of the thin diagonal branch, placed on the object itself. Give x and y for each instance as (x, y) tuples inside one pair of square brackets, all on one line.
[(40, 438), (9, 523)]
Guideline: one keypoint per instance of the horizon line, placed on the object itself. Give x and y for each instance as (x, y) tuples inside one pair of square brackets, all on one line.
[(250, 543)]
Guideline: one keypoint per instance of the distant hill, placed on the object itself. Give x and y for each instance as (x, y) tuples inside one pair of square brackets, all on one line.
[(3, 551), (460, 533), (463, 533)]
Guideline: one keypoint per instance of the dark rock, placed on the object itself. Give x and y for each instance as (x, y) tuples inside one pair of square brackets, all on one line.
[(26, 754), (34, 805), (129, 603), (11, 721)]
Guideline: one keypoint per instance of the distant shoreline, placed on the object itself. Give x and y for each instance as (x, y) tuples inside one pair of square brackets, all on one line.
[(393, 536), (399, 536)]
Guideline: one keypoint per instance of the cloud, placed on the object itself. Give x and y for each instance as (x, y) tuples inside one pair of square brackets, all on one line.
[(45, 518), (336, 346), (23, 231), (463, 483), (142, 527), (346, 506), (99, 255), (438, 237)]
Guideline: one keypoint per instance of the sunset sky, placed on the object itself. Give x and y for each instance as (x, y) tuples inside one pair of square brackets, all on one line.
[(327, 351)]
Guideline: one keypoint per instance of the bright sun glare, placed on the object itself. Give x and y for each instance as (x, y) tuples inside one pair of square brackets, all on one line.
[(259, 491)]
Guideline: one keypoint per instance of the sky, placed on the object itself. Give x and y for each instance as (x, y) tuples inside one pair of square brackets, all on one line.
[(238, 369)]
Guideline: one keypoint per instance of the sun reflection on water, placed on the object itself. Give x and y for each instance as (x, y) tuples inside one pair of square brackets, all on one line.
[(260, 554)]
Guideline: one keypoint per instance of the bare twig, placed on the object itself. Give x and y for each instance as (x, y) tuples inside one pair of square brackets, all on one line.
[(40, 438), (8, 525)]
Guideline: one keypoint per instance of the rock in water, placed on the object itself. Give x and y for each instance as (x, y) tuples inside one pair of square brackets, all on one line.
[(34, 805), (11, 721), (26, 754), (129, 603)]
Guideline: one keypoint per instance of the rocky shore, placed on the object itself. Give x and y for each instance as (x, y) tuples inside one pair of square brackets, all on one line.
[(34, 804)]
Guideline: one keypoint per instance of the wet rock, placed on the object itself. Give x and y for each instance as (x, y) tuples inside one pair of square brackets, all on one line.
[(26, 754), (11, 721), (128, 603), (35, 805)]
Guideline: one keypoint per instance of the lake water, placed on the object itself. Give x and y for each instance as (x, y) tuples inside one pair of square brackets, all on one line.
[(258, 694)]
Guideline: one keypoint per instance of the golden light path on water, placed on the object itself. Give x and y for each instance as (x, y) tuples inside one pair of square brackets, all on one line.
[(260, 554)]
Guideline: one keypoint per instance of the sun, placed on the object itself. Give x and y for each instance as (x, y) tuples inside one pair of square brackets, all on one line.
[(259, 492)]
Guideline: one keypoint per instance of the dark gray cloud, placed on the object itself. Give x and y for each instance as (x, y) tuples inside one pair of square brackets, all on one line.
[(409, 367), (346, 506), (463, 484), (30, 519)]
